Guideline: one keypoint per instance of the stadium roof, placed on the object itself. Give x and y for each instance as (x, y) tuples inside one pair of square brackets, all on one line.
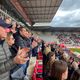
[(37, 11), (56, 29)]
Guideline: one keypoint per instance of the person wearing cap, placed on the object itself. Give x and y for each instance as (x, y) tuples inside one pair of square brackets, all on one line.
[(5, 23), (6, 62)]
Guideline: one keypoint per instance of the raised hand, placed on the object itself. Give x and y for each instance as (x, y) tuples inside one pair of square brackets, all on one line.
[(22, 56)]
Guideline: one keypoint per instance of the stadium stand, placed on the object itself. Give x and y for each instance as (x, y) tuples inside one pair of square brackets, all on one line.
[(28, 55)]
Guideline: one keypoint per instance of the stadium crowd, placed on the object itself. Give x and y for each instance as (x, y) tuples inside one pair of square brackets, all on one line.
[(18, 45), (69, 38), (60, 64)]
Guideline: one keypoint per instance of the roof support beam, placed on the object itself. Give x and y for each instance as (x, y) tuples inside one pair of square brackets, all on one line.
[(20, 9), (43, 14), (40, 6)]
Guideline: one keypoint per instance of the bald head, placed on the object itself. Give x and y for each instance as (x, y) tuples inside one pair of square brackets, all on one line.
[(3, 33)]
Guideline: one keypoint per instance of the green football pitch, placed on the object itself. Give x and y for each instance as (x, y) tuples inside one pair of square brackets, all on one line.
[(75, 49)]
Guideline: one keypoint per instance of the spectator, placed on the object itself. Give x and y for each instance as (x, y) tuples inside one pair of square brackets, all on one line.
[(11, 41), (8, 20), (75, 65), (76, 75), (59, 70), (65, 57), (50, 61), (47, 49), (34, 48), (52, 48), (21, 38)]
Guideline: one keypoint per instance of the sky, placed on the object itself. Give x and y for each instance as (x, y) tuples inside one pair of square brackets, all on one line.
[(68, 14)]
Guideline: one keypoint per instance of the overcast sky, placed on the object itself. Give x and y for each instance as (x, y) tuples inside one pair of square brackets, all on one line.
[(68, 15)]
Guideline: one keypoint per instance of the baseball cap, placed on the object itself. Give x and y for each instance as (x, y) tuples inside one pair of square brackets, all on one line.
[(4, 24)]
